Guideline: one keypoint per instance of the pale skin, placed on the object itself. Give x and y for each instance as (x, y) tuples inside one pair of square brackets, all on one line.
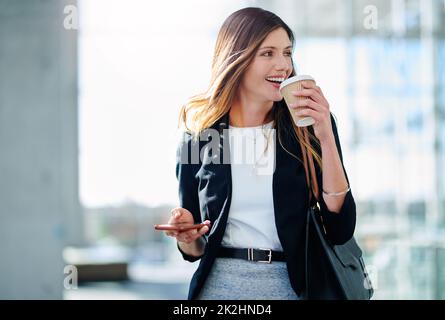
[(254, 100), (317, 107)]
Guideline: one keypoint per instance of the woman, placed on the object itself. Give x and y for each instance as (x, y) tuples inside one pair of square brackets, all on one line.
[(247, 206)]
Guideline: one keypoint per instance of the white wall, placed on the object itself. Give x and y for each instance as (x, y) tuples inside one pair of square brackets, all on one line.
[(39, 210)]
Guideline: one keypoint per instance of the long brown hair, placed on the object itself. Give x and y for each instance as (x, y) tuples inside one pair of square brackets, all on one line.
[(237, 43)]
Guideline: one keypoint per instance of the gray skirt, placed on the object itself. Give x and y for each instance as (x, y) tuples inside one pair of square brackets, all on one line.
[(237, 279)]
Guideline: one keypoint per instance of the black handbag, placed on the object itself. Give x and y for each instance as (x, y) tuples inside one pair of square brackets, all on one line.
[(332, 271)]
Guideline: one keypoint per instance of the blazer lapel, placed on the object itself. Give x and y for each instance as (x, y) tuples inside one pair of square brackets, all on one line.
[(290, 190), (218, 181)]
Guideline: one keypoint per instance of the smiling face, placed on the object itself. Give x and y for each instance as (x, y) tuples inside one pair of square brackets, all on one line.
[(271, 65)]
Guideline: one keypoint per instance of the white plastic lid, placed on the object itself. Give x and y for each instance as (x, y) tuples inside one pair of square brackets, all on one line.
[(306, 122), (294, 79)]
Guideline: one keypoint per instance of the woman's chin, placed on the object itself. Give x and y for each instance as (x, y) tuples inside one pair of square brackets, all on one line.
[(274, 97), (277, 97)]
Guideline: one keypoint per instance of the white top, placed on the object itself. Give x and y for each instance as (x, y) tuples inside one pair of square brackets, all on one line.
[(251, 221)]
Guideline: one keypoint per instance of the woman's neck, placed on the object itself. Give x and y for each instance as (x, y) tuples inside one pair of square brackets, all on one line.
[(249, 114)]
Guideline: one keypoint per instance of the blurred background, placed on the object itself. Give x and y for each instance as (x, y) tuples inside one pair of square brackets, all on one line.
[(90, 92)]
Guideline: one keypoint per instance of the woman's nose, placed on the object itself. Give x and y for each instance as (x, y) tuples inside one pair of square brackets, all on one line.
[(283, 63)]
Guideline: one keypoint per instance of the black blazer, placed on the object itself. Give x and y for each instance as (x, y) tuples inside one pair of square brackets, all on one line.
[(205, 190)]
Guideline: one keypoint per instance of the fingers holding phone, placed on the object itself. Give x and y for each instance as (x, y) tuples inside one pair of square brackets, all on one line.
[(191, 235), (183, 219), (179, 216)]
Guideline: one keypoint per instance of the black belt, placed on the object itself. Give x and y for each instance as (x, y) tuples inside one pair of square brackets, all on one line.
[(258, 255)]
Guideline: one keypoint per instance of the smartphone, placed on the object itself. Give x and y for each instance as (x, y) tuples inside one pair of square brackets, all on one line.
[(180, 227)]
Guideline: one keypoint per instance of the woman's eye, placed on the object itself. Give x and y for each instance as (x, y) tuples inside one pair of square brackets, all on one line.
[(269, 54)]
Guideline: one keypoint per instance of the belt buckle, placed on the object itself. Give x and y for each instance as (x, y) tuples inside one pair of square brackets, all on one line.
[(269, 255)]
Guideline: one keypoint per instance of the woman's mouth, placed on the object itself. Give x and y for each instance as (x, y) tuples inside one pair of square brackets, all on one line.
[(275, 81), (276, 85)]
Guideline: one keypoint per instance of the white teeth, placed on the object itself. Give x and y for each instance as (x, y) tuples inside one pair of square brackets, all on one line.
[(276, 79)]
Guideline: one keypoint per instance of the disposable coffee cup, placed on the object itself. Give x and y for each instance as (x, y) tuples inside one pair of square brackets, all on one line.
[(286, 88)]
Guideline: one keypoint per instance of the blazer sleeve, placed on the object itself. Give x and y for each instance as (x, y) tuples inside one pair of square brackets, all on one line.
[(188, 185), (339, 226)]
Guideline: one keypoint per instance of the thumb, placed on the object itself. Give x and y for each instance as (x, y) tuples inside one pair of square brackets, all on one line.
[(176, 213)]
